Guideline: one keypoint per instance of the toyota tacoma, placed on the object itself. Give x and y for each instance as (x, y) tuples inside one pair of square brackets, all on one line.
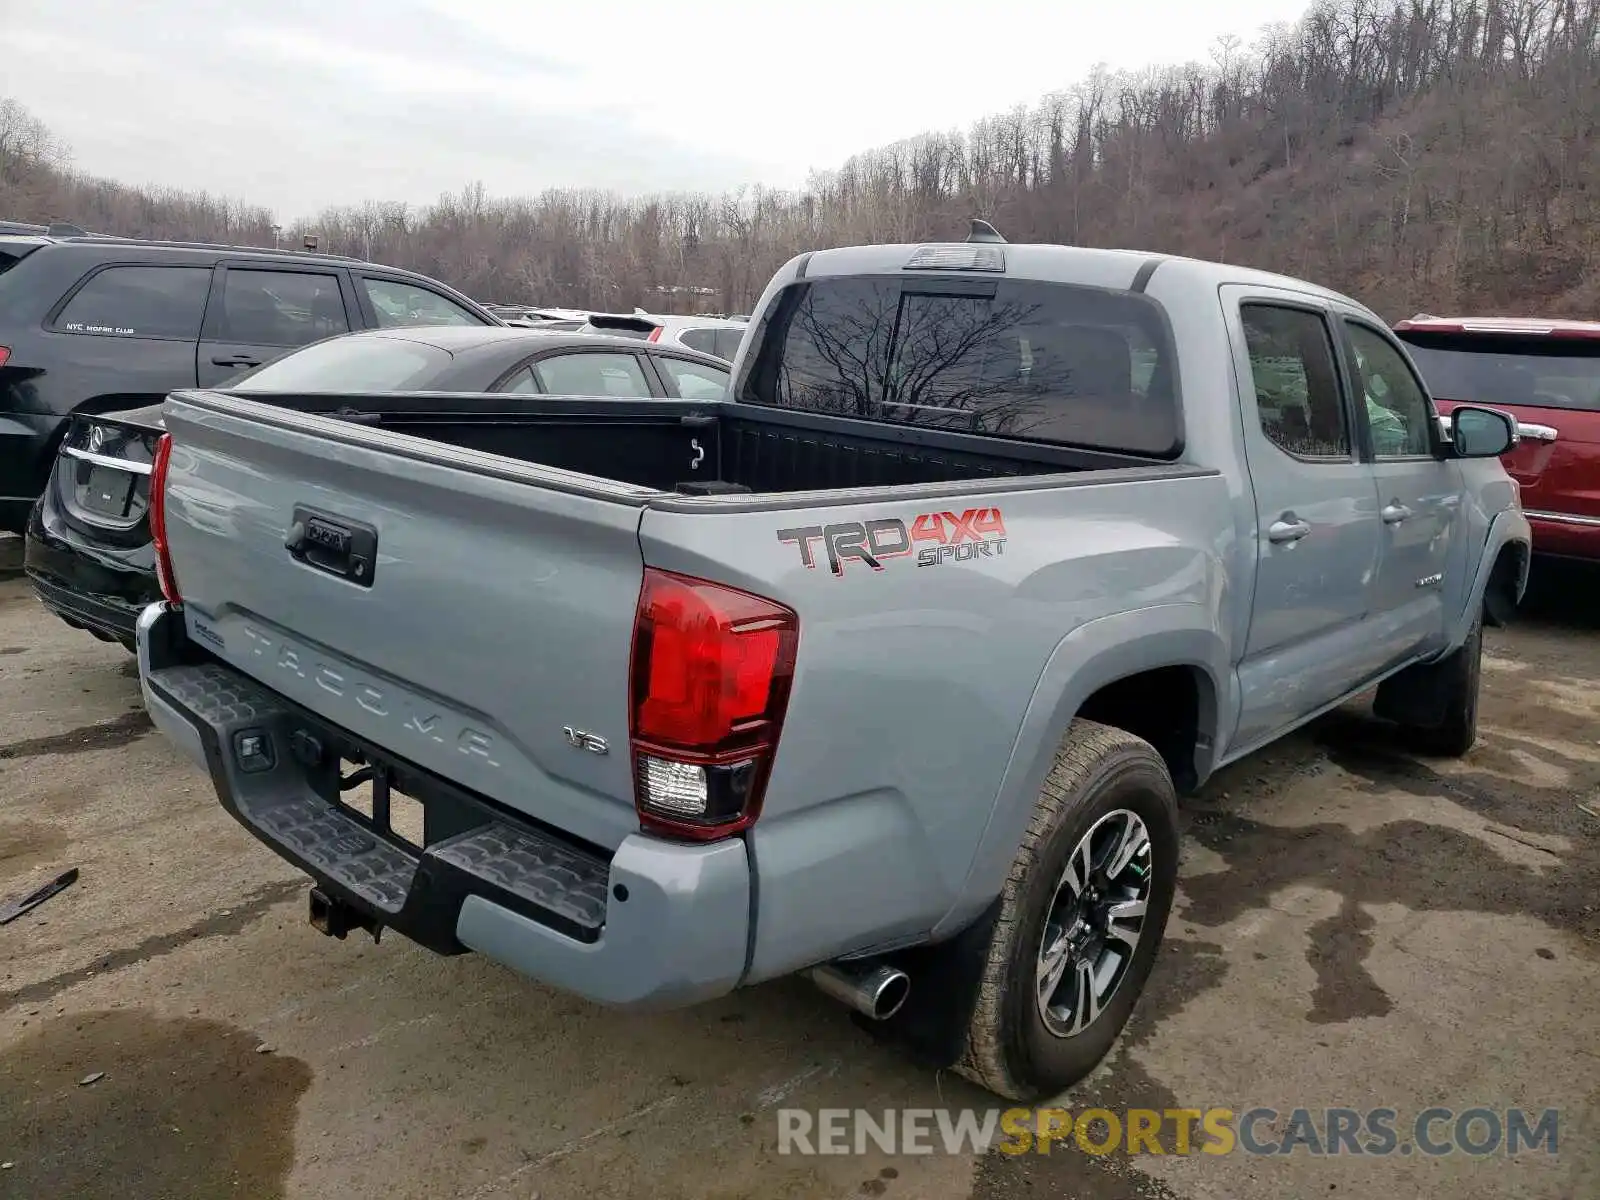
[(886, 667)]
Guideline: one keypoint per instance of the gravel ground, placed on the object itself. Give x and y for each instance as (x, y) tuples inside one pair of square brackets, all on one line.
[(1356, 928)]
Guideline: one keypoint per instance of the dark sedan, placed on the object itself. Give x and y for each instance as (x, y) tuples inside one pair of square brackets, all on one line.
[(88, 543)]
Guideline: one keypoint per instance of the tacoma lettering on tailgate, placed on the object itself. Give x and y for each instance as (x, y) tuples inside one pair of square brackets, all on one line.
[(411, 714), (936, 537)]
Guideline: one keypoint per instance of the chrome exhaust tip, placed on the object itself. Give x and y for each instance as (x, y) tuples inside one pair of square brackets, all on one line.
[(872, 989)]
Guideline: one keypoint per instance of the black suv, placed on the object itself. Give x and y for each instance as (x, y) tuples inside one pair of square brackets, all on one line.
[(94, 324), (95, 331)]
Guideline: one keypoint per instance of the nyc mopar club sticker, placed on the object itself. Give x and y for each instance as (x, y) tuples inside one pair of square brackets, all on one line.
[(935, 538)]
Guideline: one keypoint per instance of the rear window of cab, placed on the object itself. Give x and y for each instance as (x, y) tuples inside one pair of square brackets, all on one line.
[(1047, 362)]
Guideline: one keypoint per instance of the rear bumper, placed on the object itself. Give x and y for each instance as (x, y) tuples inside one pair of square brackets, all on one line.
[(1565, 535), (109, 620), (100, 591), (656, 925)]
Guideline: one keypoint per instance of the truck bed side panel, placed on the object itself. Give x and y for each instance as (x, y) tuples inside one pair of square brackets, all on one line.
[(497, 614), (912, 680)]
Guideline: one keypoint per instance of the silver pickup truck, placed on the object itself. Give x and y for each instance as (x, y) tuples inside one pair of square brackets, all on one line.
[(887, 668)]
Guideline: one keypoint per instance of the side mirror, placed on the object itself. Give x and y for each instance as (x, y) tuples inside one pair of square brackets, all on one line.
[(1481, 433)]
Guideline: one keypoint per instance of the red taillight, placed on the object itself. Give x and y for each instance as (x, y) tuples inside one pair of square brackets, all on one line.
[(158, 519), (655, 335), (5, 353), (710, 682)]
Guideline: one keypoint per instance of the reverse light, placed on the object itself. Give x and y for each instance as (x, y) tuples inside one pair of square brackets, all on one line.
[(710, 682), (158, 519)]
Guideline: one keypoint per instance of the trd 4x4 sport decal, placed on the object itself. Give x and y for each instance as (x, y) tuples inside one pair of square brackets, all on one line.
[(946, 537)]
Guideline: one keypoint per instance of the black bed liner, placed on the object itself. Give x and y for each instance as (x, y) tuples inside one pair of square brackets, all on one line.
[(666, 444)]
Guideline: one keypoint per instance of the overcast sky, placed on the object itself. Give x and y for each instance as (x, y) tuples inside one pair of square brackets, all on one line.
[(298, 104)]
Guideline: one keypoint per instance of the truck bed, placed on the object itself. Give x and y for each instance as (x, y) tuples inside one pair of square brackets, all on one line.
[(681, 445), (451, 586), (478, 598)]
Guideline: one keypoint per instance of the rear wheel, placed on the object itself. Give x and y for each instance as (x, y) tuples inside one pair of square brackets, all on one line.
[(1081, 916)]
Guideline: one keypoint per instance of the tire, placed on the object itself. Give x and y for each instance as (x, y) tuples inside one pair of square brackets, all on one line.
[(1099, 774)]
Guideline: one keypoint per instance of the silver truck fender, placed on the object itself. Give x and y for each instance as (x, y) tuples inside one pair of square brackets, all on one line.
[(1094, 654), (1508, 528)]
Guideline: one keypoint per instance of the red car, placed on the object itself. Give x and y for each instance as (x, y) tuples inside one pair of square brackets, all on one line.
[(1547, 375)]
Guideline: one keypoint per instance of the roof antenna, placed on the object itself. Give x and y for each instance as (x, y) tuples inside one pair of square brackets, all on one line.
[(65, 229), (982, 231)]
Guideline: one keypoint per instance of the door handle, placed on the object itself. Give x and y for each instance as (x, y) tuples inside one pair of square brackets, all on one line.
[(1393, 514), (1536, 433), (1281, 531), (235, 360)]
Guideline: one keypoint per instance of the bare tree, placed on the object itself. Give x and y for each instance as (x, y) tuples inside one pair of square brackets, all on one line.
[(1412, 152)]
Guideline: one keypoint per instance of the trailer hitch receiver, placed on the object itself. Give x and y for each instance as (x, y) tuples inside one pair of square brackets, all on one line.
[(336, 919)]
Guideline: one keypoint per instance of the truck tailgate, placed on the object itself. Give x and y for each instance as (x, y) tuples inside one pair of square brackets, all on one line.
[(439, 607)]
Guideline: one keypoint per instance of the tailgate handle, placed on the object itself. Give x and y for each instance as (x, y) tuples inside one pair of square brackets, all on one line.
[(337, 545)]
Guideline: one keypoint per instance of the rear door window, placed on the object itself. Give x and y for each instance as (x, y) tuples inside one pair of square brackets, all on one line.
[(693, 380), (139, 302), (592, 374), (1045, 362), (1298, 400), (279, 308), (1500, 370)]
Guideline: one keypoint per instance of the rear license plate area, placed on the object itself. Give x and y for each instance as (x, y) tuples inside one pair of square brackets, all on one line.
[(104, 491)]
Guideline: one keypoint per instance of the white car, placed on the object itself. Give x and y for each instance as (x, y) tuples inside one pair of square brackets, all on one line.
[(527, 316), (719, 336)]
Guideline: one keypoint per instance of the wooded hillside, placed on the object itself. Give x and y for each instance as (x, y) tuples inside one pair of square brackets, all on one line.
[(1419, 154)]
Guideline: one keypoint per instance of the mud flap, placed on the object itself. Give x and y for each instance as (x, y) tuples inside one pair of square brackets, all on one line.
[(931, 1027), (1420, 696)]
